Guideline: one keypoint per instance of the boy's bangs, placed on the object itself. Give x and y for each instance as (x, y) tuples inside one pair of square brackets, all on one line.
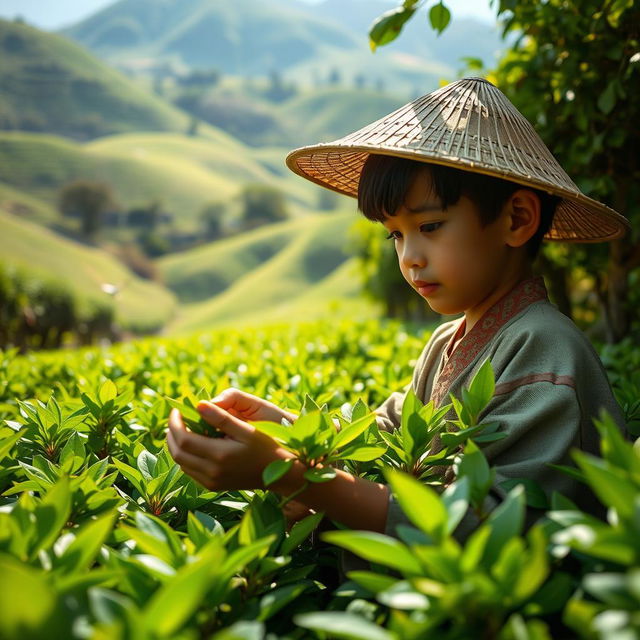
[(384, 182)]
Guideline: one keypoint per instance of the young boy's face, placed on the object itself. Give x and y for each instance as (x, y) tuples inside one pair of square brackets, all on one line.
[(447, 256)]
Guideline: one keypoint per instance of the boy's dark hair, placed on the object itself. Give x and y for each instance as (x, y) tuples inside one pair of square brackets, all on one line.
[(385, 180)]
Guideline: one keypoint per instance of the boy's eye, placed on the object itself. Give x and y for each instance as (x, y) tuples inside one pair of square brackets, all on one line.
[(430, 227)]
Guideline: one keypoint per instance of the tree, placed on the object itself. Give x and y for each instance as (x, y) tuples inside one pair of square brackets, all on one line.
[(262, 204), (574, 71), (211, 219), (87, 200), (147, 216)]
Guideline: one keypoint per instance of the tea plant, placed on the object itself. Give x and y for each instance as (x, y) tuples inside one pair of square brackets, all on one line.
[(101, 535)]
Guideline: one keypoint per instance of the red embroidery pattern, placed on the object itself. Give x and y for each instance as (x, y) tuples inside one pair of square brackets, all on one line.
[(519, 298)]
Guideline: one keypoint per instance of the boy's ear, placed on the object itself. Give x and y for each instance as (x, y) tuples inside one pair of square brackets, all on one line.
[(523, 211)]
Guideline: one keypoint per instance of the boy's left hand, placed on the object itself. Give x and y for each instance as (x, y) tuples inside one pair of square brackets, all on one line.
[(233, 462)]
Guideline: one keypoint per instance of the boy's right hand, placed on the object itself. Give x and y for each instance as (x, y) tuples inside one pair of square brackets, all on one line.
[(249, 407)]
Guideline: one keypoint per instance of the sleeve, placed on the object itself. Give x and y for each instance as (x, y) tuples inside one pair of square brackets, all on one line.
[(389, 412)]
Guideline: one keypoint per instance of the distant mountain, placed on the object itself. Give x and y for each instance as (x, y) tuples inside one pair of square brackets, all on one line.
[(306, 42), (48, 83), (463, 37), (240, 37)]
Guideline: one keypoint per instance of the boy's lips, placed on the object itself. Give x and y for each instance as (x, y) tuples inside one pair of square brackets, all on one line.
[(425, 288)]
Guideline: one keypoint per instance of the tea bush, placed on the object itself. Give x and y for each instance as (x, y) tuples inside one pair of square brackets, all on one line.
[(102, 536)]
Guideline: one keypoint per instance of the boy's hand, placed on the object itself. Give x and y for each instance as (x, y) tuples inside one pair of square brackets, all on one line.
[(249, 407), (233, 462)]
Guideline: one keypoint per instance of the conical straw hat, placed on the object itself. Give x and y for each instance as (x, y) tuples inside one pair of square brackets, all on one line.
[(469, 124)]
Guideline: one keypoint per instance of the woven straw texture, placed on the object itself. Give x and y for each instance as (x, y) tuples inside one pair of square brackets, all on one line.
[(471, 125)]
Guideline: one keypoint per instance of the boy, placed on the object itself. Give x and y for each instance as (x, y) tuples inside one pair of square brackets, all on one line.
[(467, 190)]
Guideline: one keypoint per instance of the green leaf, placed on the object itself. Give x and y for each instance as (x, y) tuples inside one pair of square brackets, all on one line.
[(359, 453), (535, 495), (7, 444), (146, 463), (420, 503), (110, 607), (176, 601), (299, 532), (456, 501), (242, 630), (402, 595), (611, 486), (535, 569), (373, 582), (274, 430), (439, 16), (388, 26), (505, 521), (377, 548), (29, 608), (51, 514), (352, 431), (319, 474), (613, 446), (108, 391), (131, 474), (81, 553), (275, 600), (73, 454), (607, 99), (481, 389), (276, 470), (359, 410), (339, 624), (474, 466)]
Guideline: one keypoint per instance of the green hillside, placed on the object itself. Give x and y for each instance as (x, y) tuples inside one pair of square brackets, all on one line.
[(330, 113), (52, 84), (140, 304), (181, 172), (204, 272), (307, 276)]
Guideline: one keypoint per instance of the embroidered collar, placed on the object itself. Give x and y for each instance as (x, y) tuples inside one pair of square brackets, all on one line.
[(519, 298)]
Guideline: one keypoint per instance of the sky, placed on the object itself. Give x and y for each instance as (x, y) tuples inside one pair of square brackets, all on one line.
[(55, 14)]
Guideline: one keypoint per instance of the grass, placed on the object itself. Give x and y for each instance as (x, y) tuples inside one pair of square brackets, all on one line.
[(140, 304)]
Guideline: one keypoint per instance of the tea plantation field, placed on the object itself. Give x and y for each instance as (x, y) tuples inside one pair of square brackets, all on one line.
[(102, 536)]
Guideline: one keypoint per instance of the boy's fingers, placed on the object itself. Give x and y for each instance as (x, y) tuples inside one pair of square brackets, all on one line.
[(236, 402), (187, 461), (223, 420), (186, 440)]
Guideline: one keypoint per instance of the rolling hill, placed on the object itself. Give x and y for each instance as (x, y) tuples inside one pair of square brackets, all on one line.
[(51, 84), (310, 275), (183, 173), (140, 305)]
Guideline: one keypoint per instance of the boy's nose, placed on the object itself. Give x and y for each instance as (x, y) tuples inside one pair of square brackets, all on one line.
[(412, 256)]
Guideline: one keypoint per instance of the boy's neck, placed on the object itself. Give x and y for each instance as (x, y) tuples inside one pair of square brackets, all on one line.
[(472, 316)]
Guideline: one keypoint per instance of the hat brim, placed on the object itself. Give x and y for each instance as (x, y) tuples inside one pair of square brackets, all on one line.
[(578, 218)]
